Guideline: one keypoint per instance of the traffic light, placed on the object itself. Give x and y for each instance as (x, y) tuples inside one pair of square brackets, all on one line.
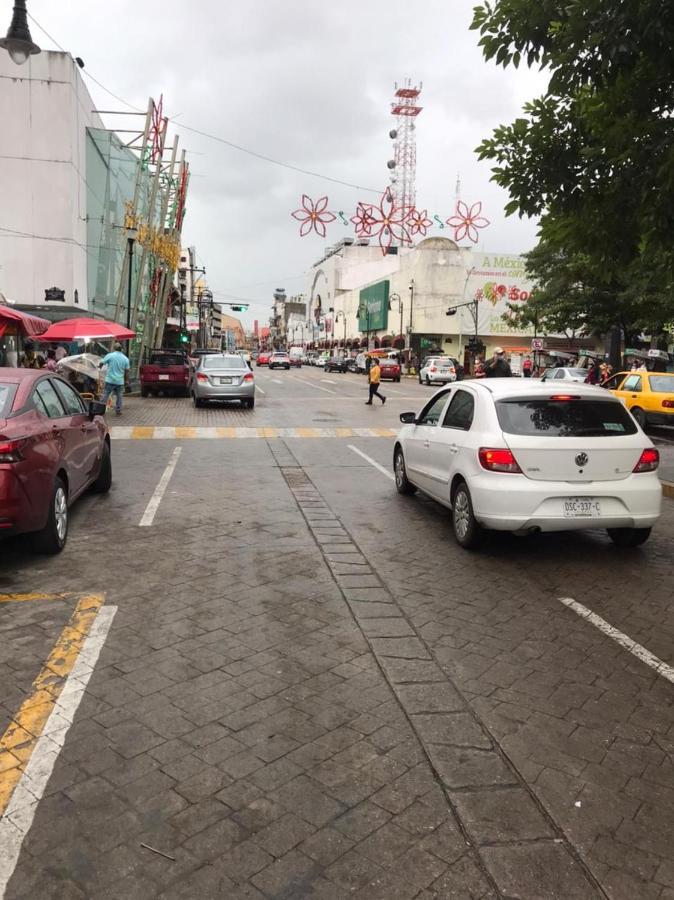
[(241, 308), (184, 337)]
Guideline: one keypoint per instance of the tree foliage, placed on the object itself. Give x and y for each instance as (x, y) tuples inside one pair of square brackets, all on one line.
[(593, 156)]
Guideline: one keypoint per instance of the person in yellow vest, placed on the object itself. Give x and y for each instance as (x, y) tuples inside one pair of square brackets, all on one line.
[(374, 379)]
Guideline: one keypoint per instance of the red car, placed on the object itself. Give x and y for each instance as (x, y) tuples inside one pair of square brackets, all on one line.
[(53, 447), (263, 358), (390, 370), (165, 372)]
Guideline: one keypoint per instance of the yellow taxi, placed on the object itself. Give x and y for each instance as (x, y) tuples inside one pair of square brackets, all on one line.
[(649, 396)]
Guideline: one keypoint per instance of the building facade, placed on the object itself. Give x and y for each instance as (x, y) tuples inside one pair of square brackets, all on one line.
[(356, 295)]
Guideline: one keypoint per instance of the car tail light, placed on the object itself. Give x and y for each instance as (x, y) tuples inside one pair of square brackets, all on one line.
[(248, 377), (668, 404), (565, 397), (649, 460), (10, 451), (201, 376), (498, 460), (433, 369)]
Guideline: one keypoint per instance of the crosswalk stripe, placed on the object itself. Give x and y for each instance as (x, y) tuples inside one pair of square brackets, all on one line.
[(182, 432)]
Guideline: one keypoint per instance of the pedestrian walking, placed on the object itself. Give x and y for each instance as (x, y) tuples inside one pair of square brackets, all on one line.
[(116, 377), (498, 366), (527, 367), (374, 380)]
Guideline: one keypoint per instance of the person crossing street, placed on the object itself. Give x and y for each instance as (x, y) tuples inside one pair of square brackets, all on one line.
[(374, 379)]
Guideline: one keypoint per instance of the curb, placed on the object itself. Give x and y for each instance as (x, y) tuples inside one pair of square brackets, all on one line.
[(668, 489)]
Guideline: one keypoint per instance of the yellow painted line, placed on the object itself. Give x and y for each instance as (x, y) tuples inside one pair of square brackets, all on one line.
[(344, 432), (384, 432), (186, 432), (23, 732), (141, 432), (226, 432), (20, 598), (269, 432)]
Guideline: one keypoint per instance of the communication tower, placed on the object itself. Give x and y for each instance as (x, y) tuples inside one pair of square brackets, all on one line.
[(403, 166)]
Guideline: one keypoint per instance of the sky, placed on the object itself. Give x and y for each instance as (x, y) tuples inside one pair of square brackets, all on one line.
[(309, 84)]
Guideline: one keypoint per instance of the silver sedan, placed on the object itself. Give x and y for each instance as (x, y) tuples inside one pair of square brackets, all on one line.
[(223, 377)]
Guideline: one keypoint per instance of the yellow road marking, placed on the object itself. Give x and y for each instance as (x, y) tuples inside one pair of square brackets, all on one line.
[(23, 732), (141, 432), (186, 432), (306, 432), (344, 432), (229, 432), (19, 598), (269, 432)]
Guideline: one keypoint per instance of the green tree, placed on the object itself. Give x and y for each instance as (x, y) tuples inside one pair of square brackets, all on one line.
[(593, 156)]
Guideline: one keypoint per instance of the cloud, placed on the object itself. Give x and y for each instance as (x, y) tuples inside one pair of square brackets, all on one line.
[(305, 82)]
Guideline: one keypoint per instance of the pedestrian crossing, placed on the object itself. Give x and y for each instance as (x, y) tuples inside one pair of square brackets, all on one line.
[(180, 433)]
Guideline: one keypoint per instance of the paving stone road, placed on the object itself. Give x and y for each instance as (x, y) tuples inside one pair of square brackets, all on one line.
[(309, 691)]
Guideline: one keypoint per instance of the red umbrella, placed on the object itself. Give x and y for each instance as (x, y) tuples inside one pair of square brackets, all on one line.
[(83, 328)]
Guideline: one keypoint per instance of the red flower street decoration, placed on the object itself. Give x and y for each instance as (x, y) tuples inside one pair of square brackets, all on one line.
[(157, 128), (386, 222), (364, 219), (418, 222), (313, 216), (466, 222)]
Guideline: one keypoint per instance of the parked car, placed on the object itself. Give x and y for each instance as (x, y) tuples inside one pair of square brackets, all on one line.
[(195, 355), (246, 357), (336, 364), (649, 396), (223, 377), (358, 364), (297, 357), (564, 373), (513, 455), (322, 358), (279, 360), (167, 372), (311, 356), (437, 369), (263, 358), (390, 369), (53, 448)]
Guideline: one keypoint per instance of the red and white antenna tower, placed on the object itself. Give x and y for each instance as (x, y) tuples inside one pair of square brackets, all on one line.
[(403, 166)]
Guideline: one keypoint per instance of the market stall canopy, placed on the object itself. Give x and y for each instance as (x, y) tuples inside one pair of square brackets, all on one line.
[(30, 326), (82, 329)]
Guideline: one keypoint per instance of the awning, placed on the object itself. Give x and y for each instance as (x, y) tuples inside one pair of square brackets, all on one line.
[(29, 325)]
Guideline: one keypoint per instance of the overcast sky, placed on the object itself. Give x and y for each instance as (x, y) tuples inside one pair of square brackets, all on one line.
[(308, 83)]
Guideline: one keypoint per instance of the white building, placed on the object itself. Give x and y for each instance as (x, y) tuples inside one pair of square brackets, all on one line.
[(417, 285), (45, 110)]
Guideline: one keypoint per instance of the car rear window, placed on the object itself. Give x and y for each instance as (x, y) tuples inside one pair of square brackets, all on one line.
[(564, 418), (444, 361), (7, 392), (662, 384), (167, 359), (223, 362)]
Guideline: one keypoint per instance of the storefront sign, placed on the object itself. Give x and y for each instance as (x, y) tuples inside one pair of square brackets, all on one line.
[(56, 294)]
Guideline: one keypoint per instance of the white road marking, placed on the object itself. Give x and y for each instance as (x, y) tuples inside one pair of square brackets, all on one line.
[(18, 818), (277, 381), (327, 381), (160, 490), (258, 388), (372, 462), (311, 384), (623, 639)]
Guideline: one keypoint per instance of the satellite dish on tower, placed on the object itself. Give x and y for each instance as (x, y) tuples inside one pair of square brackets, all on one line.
[(391, 163), (393, 134)]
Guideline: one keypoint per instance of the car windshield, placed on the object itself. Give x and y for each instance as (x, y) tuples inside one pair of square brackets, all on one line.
[(223, 362), (564, 418), (7, 392), (166, 359), (443, 361), (662, 384)]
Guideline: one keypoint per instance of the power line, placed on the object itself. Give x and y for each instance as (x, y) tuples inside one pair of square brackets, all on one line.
[(217, 138)]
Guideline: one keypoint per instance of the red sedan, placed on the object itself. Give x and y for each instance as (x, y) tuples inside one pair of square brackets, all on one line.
[(53, 447), (263, 358), (390, 370)]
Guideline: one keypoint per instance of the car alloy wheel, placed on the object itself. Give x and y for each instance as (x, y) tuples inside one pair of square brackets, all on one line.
[(403, 484), (466, 529), (61, 513), (52, 538)]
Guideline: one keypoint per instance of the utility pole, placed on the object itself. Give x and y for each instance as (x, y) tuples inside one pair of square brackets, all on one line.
[(411, 288)]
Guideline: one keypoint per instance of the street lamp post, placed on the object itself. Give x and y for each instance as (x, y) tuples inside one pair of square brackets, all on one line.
[(398, 299), (343, 315), (411, 289), (18, 42), (130, 241), (364, 308)]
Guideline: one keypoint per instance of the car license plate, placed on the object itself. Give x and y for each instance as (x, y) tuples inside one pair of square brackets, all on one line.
[(225, 381), (163, 377), (444, 371), (581, 508)]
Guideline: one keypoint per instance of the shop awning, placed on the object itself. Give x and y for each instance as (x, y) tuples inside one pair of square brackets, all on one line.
[(30, 326)]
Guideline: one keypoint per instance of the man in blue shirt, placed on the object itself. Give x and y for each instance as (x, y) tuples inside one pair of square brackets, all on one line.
[(116, 377)]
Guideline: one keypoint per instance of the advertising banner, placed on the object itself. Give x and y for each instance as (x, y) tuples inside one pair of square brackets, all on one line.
[(497, 280), (373, 307)]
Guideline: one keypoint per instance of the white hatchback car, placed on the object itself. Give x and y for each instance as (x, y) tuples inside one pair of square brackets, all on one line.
[(437, 369), (514, 455)]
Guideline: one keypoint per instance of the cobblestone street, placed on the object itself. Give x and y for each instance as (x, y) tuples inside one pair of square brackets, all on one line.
[(306, 689)]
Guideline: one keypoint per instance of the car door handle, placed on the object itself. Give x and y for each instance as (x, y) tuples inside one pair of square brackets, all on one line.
[(453, 448), (427, 444), (634, 396)]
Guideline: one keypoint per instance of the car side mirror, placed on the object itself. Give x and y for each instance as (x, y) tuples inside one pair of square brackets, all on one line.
[(96, 408), (408, 418)]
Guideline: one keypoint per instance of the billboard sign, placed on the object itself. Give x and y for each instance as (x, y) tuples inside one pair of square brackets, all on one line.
[(373, 307), (496, 280)]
